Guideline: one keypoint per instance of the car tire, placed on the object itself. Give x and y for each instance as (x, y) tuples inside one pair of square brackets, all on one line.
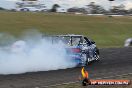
[(87, 59), (97, 54)]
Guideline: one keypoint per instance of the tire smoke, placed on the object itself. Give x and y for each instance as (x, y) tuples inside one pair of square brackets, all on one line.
[(33, 53)]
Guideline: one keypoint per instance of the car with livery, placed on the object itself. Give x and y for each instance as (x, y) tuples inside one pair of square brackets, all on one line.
[(80, 49)]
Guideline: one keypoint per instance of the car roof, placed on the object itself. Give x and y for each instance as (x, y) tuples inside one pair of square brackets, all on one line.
[(69, 35)]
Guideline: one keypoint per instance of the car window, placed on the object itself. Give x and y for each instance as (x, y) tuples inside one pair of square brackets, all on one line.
[(76, 41), (65, 40)]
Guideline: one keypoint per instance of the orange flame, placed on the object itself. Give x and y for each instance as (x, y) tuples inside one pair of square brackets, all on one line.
[(84, 73)]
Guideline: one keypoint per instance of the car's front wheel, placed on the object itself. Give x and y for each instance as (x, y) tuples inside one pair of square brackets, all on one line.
[(96, 54), (86, 59)]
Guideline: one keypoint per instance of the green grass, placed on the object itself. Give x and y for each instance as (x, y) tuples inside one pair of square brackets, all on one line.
[(106, 31)]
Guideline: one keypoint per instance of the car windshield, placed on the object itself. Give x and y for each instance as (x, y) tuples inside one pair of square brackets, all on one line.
[(68, 40)]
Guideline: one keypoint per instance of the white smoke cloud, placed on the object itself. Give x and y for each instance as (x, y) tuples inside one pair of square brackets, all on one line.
[(39, 55)]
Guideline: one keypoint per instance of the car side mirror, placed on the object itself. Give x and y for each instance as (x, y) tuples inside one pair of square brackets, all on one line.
[(93, 42)]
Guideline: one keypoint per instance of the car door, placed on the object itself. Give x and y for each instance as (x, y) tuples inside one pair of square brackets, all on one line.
[(90, 46)]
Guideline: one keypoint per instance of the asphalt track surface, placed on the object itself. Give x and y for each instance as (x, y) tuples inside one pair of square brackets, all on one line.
[(112, 62)]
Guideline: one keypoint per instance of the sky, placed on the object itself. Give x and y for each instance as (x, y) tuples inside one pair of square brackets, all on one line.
[(9, 4)]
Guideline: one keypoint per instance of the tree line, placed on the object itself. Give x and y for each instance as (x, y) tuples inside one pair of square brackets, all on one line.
[(91, 8)]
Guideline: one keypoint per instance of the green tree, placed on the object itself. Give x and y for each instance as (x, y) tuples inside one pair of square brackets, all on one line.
[(2, 8), (95, 9), (120, 9), (54, 8)]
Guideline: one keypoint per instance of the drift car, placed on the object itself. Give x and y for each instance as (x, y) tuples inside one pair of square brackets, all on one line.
[(80, 49)]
